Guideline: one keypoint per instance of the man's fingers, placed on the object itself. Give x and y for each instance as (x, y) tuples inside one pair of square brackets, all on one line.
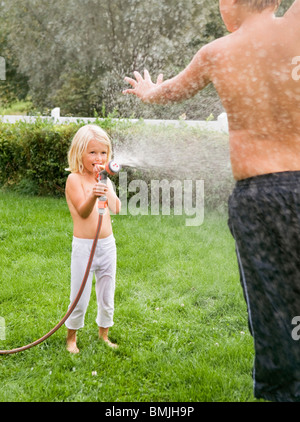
[(138, 76), (160, 78), (129, 91), (131, 81), (147, 76)]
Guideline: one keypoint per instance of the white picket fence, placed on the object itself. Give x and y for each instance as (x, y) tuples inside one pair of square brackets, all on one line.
[(219, 125)]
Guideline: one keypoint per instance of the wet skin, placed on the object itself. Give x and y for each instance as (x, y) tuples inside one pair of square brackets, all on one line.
[(253, 70)]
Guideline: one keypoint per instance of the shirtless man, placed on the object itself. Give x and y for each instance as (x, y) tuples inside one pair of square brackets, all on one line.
[(254, 71)]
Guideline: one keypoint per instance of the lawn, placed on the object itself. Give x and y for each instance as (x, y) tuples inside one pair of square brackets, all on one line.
[(180, 316), (18, 108)]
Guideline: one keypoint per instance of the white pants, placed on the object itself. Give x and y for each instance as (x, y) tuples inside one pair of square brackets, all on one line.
[(104, 268)]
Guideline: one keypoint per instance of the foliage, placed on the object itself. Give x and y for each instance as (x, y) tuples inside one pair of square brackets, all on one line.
[(18, 108), (15, 87), (75, 54), (33, 156)]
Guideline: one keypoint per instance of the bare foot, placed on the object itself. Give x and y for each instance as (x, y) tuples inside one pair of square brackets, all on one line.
[(71, 342), (72, 348), (109, 343), (103, 335)]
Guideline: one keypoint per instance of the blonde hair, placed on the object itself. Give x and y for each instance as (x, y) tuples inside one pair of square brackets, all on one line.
[(80, 142), (259, 5)]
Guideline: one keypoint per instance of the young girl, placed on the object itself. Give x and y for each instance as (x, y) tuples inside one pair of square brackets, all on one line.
[(89, 152)]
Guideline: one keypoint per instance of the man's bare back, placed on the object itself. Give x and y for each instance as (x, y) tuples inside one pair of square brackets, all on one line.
[(252, 70)]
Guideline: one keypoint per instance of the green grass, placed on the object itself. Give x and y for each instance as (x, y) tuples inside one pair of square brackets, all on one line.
[(180, 316), (18, 108)]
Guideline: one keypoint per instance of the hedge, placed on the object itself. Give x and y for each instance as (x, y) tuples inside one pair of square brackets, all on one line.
[(33, 156)]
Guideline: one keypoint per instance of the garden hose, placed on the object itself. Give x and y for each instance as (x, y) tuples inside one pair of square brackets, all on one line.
[(71, 308)]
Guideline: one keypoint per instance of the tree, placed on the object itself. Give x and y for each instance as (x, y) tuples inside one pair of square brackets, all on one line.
[(74, 54), (15, 85)]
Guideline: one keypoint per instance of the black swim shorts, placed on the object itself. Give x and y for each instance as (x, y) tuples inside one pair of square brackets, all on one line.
[(264, 219)]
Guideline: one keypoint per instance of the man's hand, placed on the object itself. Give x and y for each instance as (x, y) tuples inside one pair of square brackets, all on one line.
[(179, 88), (142, 87)]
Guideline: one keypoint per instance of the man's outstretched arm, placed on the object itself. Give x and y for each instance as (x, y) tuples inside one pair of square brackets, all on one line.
[(185, 85)]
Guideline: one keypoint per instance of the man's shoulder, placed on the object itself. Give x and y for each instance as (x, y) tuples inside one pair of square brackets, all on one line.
[(219, 44)]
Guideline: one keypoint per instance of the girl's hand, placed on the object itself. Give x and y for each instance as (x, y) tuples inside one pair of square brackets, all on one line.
[(96, 170), (100, 189)]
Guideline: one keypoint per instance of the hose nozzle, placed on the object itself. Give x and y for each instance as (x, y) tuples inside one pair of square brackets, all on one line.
[(112, 168)]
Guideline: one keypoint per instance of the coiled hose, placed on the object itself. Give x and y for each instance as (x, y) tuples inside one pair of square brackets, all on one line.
[(73, 305)]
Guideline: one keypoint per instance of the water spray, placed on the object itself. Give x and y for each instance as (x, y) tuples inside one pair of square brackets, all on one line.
[(111, 168)]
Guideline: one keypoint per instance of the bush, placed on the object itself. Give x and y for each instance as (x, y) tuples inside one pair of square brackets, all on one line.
[(11, 155), (33, 156)]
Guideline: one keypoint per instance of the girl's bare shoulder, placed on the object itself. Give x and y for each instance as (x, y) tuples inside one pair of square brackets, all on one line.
[(73, 179)]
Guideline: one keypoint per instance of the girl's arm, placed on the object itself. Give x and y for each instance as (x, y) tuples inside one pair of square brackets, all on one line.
[(74, 192)]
